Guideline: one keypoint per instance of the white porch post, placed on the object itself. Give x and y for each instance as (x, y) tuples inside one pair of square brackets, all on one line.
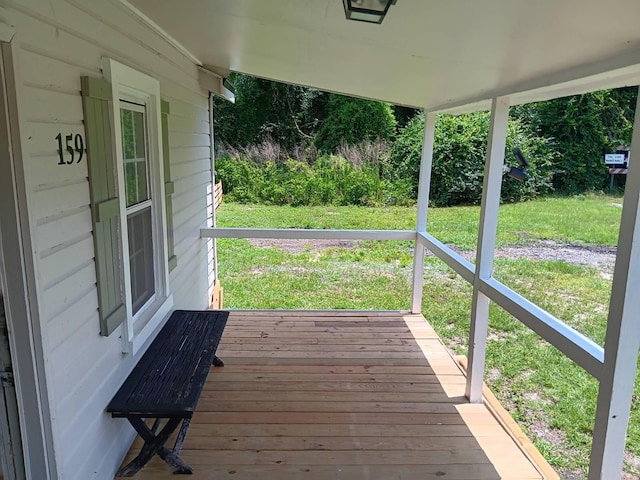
[(486, 245), (212, 151), (424, 185), (623, 334)]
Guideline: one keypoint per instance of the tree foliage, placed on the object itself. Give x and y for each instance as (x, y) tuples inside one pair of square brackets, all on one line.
[(459, 156), (352, 121), (582, 129), (565, 139), (287, 114), (292, 115)]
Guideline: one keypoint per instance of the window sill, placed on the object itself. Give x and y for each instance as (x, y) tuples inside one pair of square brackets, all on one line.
[(134, 345)]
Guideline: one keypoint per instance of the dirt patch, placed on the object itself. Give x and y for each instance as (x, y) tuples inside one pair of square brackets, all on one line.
[(632, 463), (592, 256), (299, 246), (602, 258)]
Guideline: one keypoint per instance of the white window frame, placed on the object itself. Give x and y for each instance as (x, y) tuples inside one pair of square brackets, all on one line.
[(133, 86)]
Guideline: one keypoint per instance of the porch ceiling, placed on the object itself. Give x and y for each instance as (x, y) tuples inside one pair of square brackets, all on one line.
[(436, 54)]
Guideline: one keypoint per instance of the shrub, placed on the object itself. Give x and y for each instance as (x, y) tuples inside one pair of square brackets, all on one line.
[(250, 177), (459, 157)]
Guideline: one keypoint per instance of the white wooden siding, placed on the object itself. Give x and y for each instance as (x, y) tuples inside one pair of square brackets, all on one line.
[(57, 42)]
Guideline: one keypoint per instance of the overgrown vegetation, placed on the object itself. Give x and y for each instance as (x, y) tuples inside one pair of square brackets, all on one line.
[(458, 160), (373, 173), (552, 398), (259, 174), (581, 129), (291, 144)]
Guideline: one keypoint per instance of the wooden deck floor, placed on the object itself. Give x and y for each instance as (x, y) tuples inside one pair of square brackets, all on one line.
[(341, 395)]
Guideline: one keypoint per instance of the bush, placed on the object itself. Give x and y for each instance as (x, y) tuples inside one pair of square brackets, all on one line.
[(459, 157), (249, 177)]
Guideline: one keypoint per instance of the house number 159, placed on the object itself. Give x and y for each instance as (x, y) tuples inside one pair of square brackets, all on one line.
[(73, 144)]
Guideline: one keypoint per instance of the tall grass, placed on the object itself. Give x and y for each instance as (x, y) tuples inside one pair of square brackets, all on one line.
[(266, 173)]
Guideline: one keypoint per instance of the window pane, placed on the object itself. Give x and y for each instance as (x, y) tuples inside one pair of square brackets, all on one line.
[(143, 193), (141, 258), (128, 140), (134, 155), (131, 182), (139, 134)]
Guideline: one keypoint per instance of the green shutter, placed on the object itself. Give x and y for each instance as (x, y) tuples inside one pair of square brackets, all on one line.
[(105, 210), (168, 184)]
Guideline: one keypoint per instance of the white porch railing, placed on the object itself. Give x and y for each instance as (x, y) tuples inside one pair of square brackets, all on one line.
[(572, 343)]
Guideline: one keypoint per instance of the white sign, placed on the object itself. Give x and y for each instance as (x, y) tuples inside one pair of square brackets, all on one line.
[(614, 158)]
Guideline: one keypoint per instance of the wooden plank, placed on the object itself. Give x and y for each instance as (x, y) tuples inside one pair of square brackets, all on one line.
[(325, 472), (193, 162), (341, 369), (266, 347), (222, 376), (188, 123), (217, 442), (216, 405), (479, 418), (328, 340), (61, 295), (312, 328), (276, 333), (318, 315), (307, 458), (71, 256), (359, 323), (381, 361), (341, 430), (320, 354), (333, 386), (217, 400), (282, 321), (217, 195)]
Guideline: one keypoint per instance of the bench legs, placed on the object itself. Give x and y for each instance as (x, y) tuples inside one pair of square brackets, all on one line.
[(217, 362), (154, 444)]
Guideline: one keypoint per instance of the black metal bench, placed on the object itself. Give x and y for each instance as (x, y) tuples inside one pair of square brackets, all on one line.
[(166, 384)]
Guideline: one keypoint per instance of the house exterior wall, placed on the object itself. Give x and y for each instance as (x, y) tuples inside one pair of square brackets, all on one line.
[(57, 42)]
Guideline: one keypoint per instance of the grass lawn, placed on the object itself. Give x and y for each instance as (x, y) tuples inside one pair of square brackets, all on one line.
[(553, 399)]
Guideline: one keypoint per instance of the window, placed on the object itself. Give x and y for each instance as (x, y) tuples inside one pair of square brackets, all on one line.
[(126, 127), (139, 204)]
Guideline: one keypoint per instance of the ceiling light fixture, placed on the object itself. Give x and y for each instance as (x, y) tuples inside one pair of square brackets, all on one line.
[(370, 11)]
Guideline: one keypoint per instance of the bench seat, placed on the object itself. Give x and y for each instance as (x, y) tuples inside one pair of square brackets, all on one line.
[(167, 382)]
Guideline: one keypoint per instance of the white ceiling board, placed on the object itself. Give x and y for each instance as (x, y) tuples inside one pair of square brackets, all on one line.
[(426, 53)]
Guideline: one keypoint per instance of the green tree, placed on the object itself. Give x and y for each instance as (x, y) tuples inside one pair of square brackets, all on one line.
[(459, 157), (291, 116), (352, 120), (287, 114), (582, 129)]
